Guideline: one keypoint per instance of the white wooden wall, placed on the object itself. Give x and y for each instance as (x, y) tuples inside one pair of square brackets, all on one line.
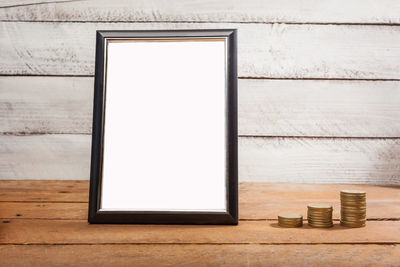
[(319, 85)]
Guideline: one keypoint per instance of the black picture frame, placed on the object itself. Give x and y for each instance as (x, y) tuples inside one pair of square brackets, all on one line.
[(165, 217)]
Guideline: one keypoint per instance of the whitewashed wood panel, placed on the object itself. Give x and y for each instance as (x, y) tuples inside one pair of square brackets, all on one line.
[(20, 3), (45, 105), (319, 108), (321, 160), (266, 107), (60, 156), (308, 160), (303, 11), (265, 50)]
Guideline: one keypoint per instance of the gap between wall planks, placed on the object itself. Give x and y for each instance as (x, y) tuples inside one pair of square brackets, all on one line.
[(306, 160), (67, 200), (266, 107), (250, 11), (265, 50)]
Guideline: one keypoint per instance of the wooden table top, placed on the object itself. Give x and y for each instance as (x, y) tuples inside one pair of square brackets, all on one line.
[(45, 223)]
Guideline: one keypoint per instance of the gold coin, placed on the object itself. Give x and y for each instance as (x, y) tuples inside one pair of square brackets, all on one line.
[(319, 218), (354, 225), (352, 197), (290, 225), (351, 203), (347, 202), (353, 192), (353, 219), (322, 211), (319, 206), (290, 222), (354, 207), (321, 225), (320, 214), (289, 215), (353, 211), (319, 221)]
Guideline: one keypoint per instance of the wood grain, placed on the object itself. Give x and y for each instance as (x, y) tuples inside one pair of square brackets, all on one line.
[(319, 108), (248, 232), (320, 160), (267, 208), (266, 107), (38, 105), (200, 255), (265, 50), (45, 157), (339, 11), (46, 241), (307, 160), (67, 200), (54, 191)]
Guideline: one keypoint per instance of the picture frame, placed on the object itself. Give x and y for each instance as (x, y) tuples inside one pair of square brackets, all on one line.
[(164, 135)]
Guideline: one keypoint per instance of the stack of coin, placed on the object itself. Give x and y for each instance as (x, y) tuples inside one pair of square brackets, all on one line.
[(290, 219), (319, 215), (353, 208)]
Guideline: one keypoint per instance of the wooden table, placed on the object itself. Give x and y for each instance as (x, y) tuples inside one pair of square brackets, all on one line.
[(44, 223)]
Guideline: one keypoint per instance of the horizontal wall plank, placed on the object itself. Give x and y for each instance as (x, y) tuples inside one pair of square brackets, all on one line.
[(339, 11), (247, 232), (306, 160), (266, 107), (321, 160), (45, 157), (257, 201), (319, 108), (46, 105), (264, 50), (200, 255)]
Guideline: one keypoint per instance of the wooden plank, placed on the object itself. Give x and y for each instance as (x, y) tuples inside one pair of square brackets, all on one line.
[(266, 207), (339, 11), (320, 160), (200, 255), (44, 191), (306, 160), (266, 200), (45, 157), (21, 3), (25, 103), (319, 108), (59, 211), (265, 50), (248, 232), (257, 201), (266, 107)]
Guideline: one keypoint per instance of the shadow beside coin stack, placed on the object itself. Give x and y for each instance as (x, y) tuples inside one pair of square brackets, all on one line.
[(352, 213)]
